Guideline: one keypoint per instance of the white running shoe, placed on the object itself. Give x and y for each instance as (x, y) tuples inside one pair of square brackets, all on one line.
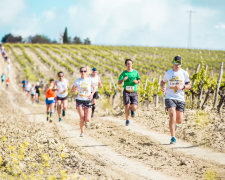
[(81, 134)]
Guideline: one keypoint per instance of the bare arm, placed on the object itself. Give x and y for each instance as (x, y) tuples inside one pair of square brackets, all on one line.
[(163, 86), (74, 89), (94, 89), (100, 83), (124, 79)]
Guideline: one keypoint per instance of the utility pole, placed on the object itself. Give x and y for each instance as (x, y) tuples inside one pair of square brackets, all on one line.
[(189, 28)]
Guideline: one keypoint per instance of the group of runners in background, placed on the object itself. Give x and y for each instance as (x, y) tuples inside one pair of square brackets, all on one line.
[(5, 75), (87, 85)]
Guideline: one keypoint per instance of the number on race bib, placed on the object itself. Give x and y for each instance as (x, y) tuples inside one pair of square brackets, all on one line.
[(130, 88), (83, 93), (51, 98)]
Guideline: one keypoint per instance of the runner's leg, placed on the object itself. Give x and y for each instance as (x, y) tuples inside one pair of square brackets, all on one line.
[(80, 110), (93, 107), (64, 103), (59, 104), (48, 109), (127, 111), (179, 117), (51, 110), (87, 114), (172, 115)]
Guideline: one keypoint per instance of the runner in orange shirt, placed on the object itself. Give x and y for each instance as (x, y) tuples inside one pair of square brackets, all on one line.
[(50, 91)]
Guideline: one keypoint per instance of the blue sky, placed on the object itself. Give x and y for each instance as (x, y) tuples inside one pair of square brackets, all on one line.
[(119, 22)]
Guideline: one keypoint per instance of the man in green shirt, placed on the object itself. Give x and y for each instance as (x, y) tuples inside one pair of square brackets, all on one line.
[(131, 78)]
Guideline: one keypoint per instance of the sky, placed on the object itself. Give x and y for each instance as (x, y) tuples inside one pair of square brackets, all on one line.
[(161, 23)]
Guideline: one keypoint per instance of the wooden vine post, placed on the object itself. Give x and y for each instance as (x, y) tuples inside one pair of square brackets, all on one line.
[(157, 96), (218, 85)]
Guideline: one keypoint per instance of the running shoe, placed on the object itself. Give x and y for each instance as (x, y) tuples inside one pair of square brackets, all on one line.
[(47, 118), (60, 119), (173, 140), (87, 124), (127, 122), (63, 113), (132, 113), (81, 134), (50, 120)]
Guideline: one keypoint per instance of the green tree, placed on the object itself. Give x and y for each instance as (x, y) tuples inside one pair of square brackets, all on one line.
[(9, 38), (87, 41), (65, 36), (39, 39), (77, 40)]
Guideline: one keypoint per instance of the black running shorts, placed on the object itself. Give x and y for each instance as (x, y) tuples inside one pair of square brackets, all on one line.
[(96, 96), (84, 104), (179, 105), (130, 97), (62, 98)]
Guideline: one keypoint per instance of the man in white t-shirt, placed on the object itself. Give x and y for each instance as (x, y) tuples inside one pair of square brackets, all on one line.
[(178, 81)]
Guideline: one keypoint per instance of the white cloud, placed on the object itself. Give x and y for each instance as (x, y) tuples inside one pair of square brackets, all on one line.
[(49, 15), (10, 9), (220, 26), (137, 22)]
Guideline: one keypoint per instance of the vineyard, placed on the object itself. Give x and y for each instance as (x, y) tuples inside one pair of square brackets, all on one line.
[(32, 148), (41, 62)]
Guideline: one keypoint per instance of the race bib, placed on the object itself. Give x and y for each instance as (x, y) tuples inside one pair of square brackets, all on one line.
[(130, 88), (83, 94), (172, 84), (51, 98)]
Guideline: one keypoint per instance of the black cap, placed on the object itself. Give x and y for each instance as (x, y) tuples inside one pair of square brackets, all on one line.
[(177, 60)]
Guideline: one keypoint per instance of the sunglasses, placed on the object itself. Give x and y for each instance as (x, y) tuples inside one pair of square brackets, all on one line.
[(83, 71), (60, 76)]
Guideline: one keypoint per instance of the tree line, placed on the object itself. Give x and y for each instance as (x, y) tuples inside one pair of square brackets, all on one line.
[(43, 39)]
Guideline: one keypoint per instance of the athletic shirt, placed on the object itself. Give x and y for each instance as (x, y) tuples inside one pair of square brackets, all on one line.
[(37, 89), (175, 77), (28, 87), (61, 86), (95, 81), (84, 88), (129, 84), (50, 93), (32, 90)]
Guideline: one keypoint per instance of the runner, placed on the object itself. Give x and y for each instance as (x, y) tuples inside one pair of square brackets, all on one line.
[(24, 82), (50, 91), (97, 82), (32, 92), (131, 78), (3, 78), (178, 81), (7, 82), (62, 94), (37, 88), (86, 90), (27, 88)]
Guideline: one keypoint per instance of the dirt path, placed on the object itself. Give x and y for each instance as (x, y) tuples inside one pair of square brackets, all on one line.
[(114, 165), (110, 150)]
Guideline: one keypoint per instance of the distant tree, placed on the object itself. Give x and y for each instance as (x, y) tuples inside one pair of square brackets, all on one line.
[(87, 41), (9, 38), (65, 37), (39, 39), (77, 40)]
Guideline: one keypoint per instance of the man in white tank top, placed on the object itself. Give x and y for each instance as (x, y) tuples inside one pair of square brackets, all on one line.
[(97, 82), (61, 95)]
